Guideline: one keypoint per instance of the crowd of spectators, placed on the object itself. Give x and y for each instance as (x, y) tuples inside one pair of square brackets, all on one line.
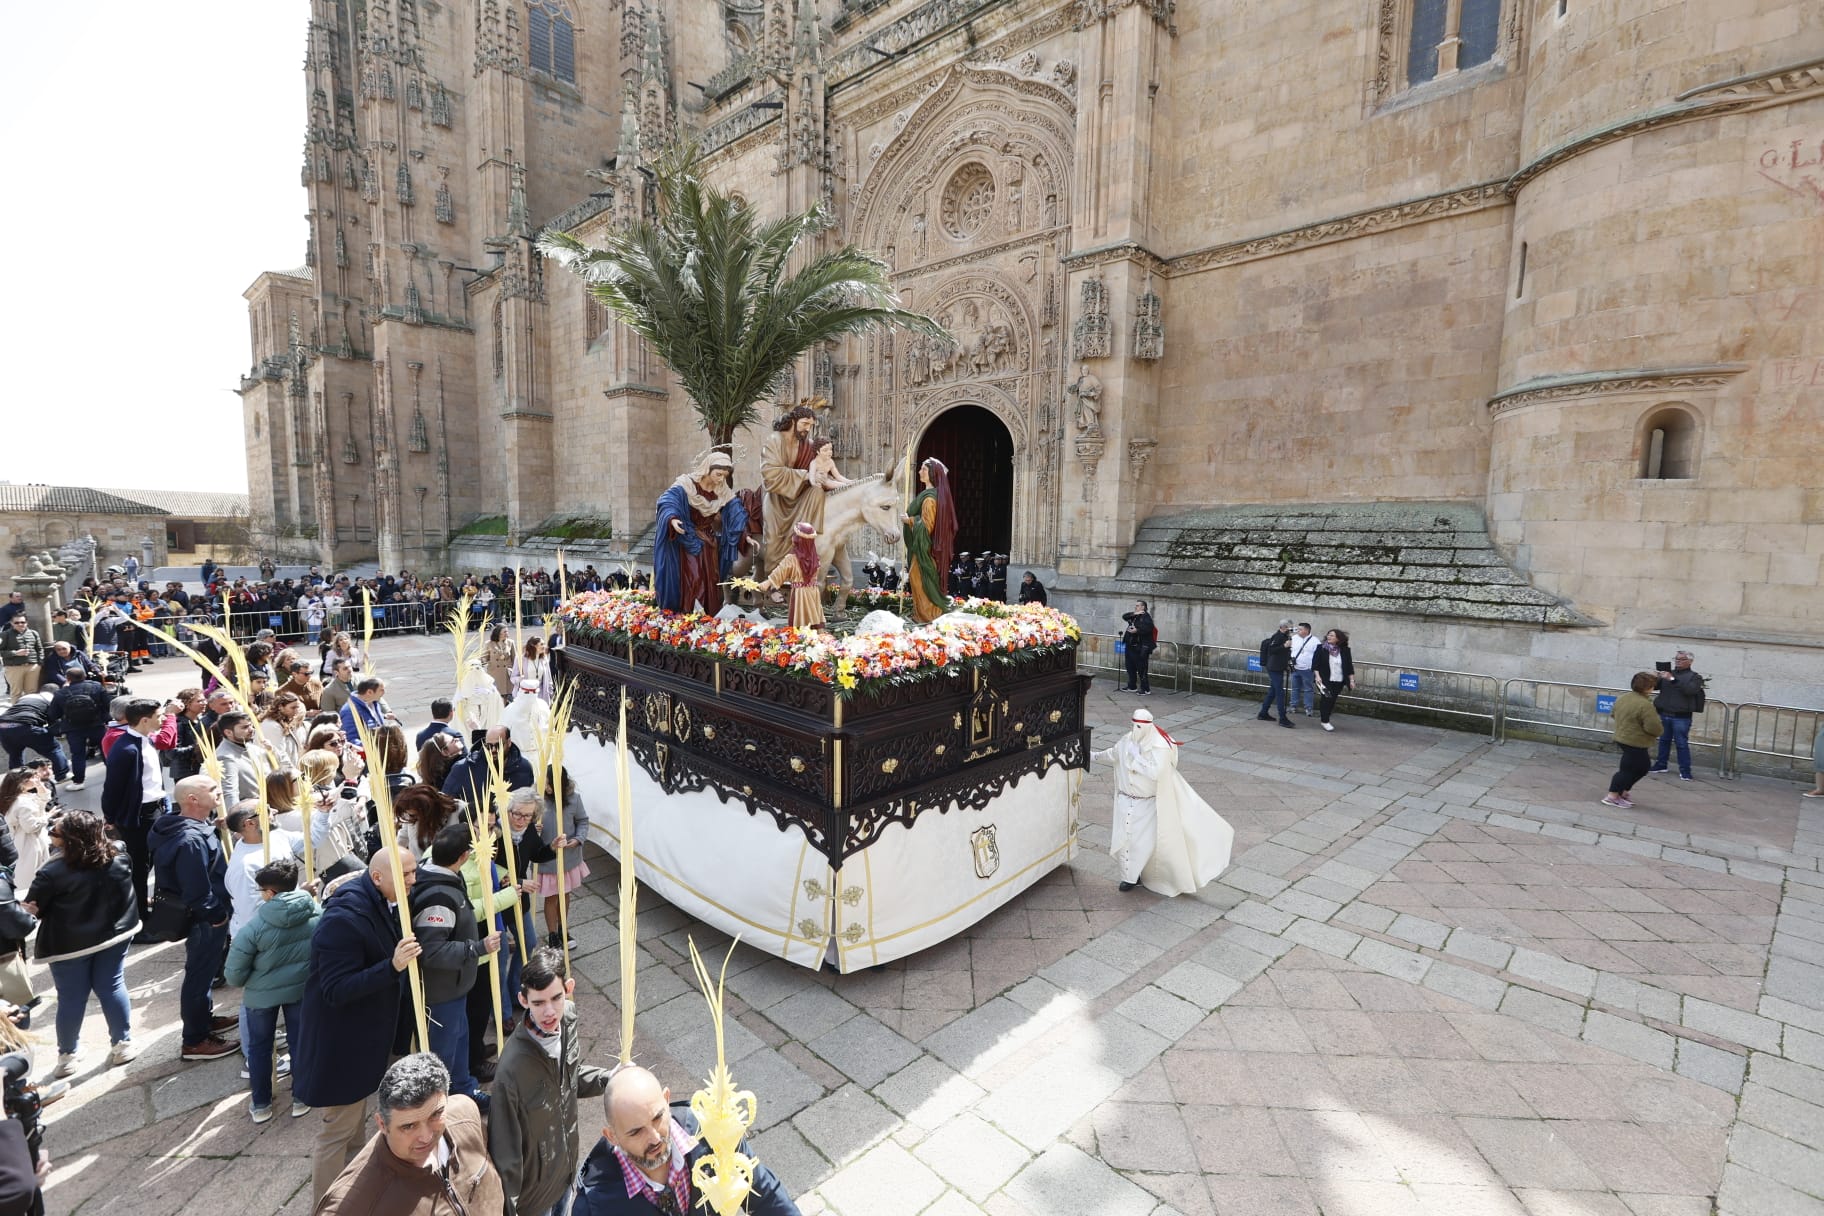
[(301, 914)]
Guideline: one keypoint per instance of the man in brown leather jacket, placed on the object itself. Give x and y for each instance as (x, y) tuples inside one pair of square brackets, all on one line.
[(429, 1157)]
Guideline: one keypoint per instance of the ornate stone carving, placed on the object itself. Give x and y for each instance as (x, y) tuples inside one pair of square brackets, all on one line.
[(1139, 451), (1090, 446), (1085, 393), (1091, 334), (1088, 12), (1608, 384), (968, 202), (402, 184), (1149, 328), (1347, 227), (446, 202)]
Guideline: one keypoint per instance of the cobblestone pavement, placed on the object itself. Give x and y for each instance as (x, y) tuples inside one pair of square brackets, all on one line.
[(1439, 980)]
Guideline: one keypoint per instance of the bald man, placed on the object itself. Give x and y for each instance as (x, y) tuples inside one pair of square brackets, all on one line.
[(643, 1162), (188, 862)]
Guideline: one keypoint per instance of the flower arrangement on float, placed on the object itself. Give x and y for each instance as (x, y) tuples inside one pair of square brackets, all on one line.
[(1009, 634)]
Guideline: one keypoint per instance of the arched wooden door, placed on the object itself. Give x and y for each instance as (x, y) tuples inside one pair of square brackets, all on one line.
[(977, 449)]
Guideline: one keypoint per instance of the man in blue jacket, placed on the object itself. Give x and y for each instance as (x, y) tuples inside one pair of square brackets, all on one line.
[(367, 707), (643, 1162), (351, 1005), (187, 859)]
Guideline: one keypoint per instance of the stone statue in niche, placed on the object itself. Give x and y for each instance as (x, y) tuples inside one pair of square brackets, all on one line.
[(918, 359), (1086, 392)]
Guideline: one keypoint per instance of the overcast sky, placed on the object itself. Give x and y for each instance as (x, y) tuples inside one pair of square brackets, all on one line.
[(153, 154)]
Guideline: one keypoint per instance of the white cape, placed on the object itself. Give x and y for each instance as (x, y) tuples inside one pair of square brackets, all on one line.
[(1194, 842), (478, 703), (527, 717)]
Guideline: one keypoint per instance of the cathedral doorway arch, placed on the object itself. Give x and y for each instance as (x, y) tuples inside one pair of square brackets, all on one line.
[(977, 448)]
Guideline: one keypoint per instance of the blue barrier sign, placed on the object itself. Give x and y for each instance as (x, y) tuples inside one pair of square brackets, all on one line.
[(1253, 662), (1408, 682), (1605, 705)]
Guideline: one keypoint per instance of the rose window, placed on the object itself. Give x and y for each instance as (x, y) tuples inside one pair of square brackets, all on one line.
[(968, 202)]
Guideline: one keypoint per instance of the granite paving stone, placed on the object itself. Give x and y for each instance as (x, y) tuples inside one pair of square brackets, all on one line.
[(1377, 1025)]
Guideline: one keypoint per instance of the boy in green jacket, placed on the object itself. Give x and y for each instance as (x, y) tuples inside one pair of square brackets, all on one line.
[(269, 961)]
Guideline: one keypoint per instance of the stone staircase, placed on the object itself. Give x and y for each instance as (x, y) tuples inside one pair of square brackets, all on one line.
[(1419, 559)]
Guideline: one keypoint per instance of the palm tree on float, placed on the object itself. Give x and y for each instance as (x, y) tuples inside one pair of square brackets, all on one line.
[(709, 286)]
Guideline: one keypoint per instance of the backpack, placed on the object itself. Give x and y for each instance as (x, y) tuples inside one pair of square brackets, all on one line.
[(81, 710)]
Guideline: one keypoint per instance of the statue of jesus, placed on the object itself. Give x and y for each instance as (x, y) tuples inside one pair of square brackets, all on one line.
[(793, 491)]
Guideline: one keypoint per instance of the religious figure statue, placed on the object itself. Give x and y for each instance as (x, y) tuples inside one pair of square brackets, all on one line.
[(800, 571), (792, 495), (701, 527), (929, 530), (1086, 391)]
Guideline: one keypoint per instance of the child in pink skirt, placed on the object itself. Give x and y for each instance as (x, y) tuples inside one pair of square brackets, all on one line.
[(573, 830)]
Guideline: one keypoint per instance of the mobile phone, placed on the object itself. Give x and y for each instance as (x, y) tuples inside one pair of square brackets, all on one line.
[(1662, 666)]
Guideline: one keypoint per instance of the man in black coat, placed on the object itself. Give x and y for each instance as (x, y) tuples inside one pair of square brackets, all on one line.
[(1276, 661), (1138, 639), (643, 1162), (80, 708), (443, 921), (351, 1008), (468, 778)]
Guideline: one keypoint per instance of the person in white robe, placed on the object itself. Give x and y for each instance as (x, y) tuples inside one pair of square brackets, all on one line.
[(478, 700), (528, 717), (1164, 837)]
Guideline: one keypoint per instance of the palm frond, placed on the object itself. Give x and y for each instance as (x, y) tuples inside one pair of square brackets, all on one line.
[(710, 288)]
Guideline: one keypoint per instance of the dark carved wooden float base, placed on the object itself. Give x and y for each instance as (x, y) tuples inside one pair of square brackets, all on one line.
[(841, 772)]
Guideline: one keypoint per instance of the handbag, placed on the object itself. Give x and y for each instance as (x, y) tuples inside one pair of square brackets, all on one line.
[(168, 920)]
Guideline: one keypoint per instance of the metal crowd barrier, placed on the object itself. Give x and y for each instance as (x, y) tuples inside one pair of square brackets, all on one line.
[(1782, 735), (1457, 694), (418, 616), (1096, 652), (1578, 713), (1236, 671)]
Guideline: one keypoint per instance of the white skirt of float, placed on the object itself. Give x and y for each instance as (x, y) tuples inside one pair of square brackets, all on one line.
[(911, 888)]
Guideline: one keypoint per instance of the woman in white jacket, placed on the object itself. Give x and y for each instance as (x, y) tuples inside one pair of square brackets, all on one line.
[(22, 802)]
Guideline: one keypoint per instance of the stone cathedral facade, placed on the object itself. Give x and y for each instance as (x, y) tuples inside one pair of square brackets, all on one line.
[(1237, 290)]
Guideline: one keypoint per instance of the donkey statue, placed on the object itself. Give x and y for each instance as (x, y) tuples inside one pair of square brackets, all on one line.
[(870, 500)]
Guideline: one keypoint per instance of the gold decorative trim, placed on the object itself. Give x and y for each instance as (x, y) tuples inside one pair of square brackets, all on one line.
[(1610, 384), (1462, 201), (1779, 86)]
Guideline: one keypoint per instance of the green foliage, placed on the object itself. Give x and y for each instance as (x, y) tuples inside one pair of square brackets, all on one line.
[(487, 525), (577, 527), (708, 285)]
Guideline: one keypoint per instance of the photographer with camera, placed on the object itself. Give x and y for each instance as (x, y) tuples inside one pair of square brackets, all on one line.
[(1681, 696)]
